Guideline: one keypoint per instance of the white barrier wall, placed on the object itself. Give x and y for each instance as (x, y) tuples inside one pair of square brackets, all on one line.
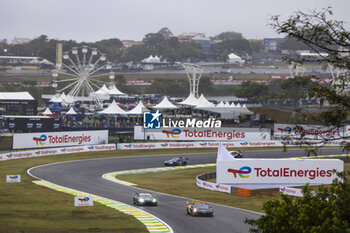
[(59, 139), (56, 151), (309, 131), (278, 171), (213, 186), (202, 134), (164, 145)]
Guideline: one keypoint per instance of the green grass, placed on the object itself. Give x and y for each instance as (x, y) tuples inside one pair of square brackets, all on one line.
[(183, 183), (26, 207)]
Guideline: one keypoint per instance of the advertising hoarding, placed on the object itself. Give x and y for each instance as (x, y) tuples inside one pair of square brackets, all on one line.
[(307, 131), (13, 178), (83, 201), (202, 134), (206, 144), (278, 171), (55, 151), (59, 139)]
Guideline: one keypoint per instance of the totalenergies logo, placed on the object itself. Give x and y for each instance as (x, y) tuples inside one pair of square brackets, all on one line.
[(203, 144), (174, 133), (286, 130), (9, 155), (41, 140), (13, 177), (84, 199), (129, 146), (164, 144), (244, 143), (242, 172), (37, 152), (91, 147)]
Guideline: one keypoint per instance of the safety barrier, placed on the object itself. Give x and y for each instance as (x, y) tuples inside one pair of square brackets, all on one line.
[(56, 151), (238, 144)]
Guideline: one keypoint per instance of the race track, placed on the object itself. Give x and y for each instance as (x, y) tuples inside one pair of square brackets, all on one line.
[(86, 176)]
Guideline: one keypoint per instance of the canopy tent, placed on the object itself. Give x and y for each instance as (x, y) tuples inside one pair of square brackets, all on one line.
[(71, 111), (138, 109), (244, 110), (113, 90), (103, 90), (55, 99), (220, 105), (47, 111), (203, 103), (191, 100), (234, 59), (165, 104), (113, 108), (152, 59)]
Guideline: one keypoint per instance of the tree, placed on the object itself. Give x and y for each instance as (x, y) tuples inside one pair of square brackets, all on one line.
[(323, 35), (326, 212), (238, 45), (329, 210), (291, 43), (229, 36), (252, 90)]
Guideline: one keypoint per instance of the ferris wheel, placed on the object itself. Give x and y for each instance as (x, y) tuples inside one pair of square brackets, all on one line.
[(83, 64)]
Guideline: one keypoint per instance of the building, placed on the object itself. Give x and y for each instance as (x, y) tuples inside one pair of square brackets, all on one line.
[(18, 103), (130, 43), (200, 38), (18, 40), (24, 63)]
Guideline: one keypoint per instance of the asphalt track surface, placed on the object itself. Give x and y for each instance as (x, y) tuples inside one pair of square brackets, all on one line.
[(86, 176)]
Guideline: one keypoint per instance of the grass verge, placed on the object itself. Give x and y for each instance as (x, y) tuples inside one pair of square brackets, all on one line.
[(183, 183), (26, 207)]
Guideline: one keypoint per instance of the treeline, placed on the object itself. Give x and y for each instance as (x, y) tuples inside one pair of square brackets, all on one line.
[(169, 48)]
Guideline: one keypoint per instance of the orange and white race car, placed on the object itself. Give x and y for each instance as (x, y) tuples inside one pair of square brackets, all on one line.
[(198, 208)]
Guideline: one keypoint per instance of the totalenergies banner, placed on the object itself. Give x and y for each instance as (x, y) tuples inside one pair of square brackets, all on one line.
[(242, 144), (278, 171), (308, 131), (55, 151), (59, 139), (202, 134), (213, 186)]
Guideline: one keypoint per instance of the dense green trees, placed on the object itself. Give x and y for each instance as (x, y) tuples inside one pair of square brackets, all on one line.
[(251, 90), (161, 44), (329, 210), (326, 212), (229, 36)]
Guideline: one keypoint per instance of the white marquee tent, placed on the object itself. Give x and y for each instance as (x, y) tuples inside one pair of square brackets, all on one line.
[(191, 100), (234, 59), (138, 109), (165, 104), (113, 108)]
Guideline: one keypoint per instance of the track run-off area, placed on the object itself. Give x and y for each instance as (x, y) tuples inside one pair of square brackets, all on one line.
[(84, 177)]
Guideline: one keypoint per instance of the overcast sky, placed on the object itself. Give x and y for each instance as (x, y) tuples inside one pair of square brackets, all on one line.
[(93, 20)]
